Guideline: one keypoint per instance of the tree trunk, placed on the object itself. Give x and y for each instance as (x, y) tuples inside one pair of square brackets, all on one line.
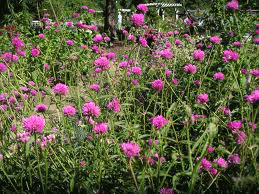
[(110, 18)]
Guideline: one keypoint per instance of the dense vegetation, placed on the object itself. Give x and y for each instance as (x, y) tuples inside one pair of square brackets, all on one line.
[(168, 108)]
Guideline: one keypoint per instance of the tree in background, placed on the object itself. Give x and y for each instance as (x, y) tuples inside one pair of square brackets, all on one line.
[(110, 18)]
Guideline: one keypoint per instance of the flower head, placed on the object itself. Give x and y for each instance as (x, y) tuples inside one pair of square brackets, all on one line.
[(35, 52), (130, 150), (137, 20), (158, 85), (91, 110), (198, 55), (159, 122), (61, 89), (166, 54), (101, 128), (215, 40), (190, 68), (218, 76), (232, 5), (3, 68), (95, 87), (34, 124), (143, 8), (234, 126), (114, 105), (202, 99), (41, 108), (98, 38), (69, 111)]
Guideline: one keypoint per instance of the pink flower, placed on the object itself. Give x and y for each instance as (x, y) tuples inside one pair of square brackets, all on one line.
[(131, 38), (101, 128), (166, 191), (143, 42), (106, 39), (41, 108), (136, 70), (98, 38), (202, 99), (114, 105), (230, 56), (234, 126), (190, 68), (197, 82), (125, 33), (255, 73), (35, 52), (91, 110), (215, 40), (158, 85), (232, 5), (240, 137), (42, 36), (166, 54), (211, 149), (95, 87), (234, 159), (218, 76), (84, 7), (175, 82), (111, 55), (178, 42), (137, 20), (69, 24), (198, 55), (168, 73), (159, 122), (123, 65), (237, 44), (222, 163), (91, 11), (244, 71), (135, 82), (61, 89), (46, 67), (213, 171), (34, 124), (103, 63), (69, 111), (130, 150), (143, 8), (23, 137), (205, 164), (70, 43), (253, 98), (3, 68)]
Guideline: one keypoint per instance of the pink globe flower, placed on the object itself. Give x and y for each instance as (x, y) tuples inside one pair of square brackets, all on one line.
[(159, 122), (41, 36), (95, 87), (213, 171), (131, 38), (70, 43), (114, 105), (143, 8), (35, 52), (234, 126), (91, 110), (46, 67), (255, 73), (143, 42), (230, 56), (198, 55), (205, 164), (222, 163), (256, 40), (3, 68), (69, 111), (130, 150), (218, 76), (166, 54), (101, 128), (61, 89), (136, 70), (34, 124), (123, 65), (240, 137), (166, 191), (234, 159), (215, 40), (168, 73), (41, 108), (137, 20), (202, 99), (158, 85), (190, 69), (232, 5), (103, 63), (178, 42), (98, 38)]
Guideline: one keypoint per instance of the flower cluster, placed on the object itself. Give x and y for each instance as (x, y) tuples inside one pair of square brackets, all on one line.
[(130, 150), (159, 122), (91, 110), (137, 20), (34, 124)]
